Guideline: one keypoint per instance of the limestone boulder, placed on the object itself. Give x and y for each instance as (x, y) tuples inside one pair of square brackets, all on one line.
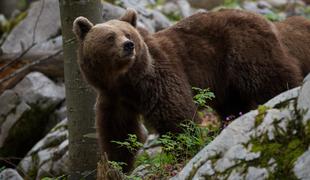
[(25, 112), (271, 142)]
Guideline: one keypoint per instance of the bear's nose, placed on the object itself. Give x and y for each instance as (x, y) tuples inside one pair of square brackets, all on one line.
[(129, 46)]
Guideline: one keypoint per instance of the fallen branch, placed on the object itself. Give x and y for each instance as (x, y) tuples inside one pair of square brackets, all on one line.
[(24, 52), (28, 66), (15, 60), (53, 67)]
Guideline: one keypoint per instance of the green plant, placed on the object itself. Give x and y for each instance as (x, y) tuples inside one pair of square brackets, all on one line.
[(117, 165), (131, 143), (272, 16), (202, 96), (306, 12), (186, 144), (176, 149), (231, 3), (63, 177), (262, 110)]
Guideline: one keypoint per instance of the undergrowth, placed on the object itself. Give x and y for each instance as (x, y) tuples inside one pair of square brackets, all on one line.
[(176, 149)]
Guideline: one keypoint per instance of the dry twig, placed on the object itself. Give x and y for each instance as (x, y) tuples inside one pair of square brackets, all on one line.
[(28, 66), (4, 67)]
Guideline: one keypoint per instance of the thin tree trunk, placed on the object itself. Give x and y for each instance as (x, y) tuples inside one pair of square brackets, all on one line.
[(83, 151)]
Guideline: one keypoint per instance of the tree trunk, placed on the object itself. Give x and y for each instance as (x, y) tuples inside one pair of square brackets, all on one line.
[(83, 151)]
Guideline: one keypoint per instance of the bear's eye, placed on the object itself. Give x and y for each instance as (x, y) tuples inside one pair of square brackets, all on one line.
[(127, 36), (109, 37)]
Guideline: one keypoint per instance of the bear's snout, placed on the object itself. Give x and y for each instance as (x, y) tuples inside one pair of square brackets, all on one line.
[(128, 47)]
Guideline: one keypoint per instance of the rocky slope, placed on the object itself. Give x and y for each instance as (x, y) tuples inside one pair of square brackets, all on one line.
[(270, 142)]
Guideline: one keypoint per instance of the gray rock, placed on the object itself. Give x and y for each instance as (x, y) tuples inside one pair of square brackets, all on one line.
[(170, 7), (277, 3), (302, 166), (51, 45), (48, 26), (151, 145), (10, 118), (185, 8), (8, 102), (235, 175), (256, 173), (10, 174), (283, 98), (49, 157), (253, 6), (180, 8), (267, 126), (303, 102), (152, 20), (47, 32), (25, 111), (236, 133), (250, 6), (36, 88), (138, 5), (110, 11), (245, 138), (263, 5), (205, 4), (160, 21), (141, 171)]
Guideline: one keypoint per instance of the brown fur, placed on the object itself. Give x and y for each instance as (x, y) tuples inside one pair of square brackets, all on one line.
[(240, 56)]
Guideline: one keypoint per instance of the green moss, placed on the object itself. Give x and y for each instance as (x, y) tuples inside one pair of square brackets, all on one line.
[(62, 177), (32, 173), (174, 16), (285, 154), (307, 128), (13, 22), (262, 110), (232, 3), (273, 16), (285, 148), (294, 144)]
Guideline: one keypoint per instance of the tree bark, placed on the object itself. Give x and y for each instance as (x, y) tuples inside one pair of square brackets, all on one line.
[(83, 151)]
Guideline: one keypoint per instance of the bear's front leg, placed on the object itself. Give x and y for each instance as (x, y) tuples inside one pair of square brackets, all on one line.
[(114, 122)]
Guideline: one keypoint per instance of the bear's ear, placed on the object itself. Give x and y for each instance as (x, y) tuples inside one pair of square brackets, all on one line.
[(130, 16), (81, 27)]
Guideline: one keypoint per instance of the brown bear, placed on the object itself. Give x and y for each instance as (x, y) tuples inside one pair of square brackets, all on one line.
[(243, 58)]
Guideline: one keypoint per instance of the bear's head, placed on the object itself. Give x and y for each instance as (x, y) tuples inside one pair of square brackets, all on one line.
[(108, 50)]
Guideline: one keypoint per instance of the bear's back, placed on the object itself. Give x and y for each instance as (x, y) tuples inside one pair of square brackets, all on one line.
[(237, 54), (295, 36), (206, 42)]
